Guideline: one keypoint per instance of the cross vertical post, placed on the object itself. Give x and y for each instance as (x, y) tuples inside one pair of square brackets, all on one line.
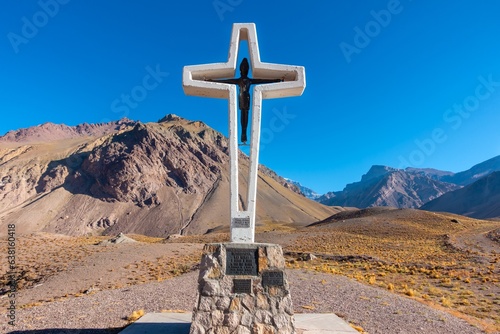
[(210, 80)]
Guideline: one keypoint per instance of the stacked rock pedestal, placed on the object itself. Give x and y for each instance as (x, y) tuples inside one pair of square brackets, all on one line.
[(242, 288)]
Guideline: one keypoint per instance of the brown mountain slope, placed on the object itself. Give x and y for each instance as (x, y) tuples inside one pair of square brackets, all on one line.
[(480, 199), (154, 179)]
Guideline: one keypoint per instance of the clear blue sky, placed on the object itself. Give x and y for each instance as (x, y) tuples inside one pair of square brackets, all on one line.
[(396, 83)]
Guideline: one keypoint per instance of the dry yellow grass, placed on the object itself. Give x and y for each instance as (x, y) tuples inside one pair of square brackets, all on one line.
[(163, 268), (144, 238), (202, 239), (358, 328), (413, 253), (41, 257), (136, 315)]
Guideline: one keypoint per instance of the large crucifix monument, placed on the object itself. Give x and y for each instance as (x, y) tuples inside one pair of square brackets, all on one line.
[(242, 285), (270, 81)]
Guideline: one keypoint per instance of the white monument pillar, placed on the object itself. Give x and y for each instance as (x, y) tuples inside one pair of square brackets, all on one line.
[(195, 82)]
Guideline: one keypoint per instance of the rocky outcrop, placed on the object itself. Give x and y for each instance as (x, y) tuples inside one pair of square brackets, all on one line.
[(134, 165)]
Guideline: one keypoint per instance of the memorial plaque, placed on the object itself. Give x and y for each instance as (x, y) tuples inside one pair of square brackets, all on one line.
[(274, 278), (241, 222), (241, 261), (242, 286)]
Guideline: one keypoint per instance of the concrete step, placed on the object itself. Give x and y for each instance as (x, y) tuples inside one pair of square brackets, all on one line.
[(179, 323)]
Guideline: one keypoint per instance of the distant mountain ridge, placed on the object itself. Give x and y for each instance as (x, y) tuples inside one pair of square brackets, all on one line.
[(387, 186), (435, 174), (307, 192), (51, 132), (475, 173), (414, 187), (480, 199)]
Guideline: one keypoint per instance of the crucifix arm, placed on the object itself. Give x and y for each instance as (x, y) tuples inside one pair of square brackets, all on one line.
[(228, 81), (265, 81)]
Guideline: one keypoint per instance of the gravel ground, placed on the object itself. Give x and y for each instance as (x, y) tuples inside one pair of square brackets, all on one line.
[(374, 309)]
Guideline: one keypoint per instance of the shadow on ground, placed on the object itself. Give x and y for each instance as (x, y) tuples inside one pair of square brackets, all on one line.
[(143, 328), (69, 331)]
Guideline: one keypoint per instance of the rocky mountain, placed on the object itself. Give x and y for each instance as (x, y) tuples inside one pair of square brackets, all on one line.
[(414, 187), (170, 177), (480, 199), (387, 186)]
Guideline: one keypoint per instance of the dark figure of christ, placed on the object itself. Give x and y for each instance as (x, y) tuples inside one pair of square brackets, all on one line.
[(244, 83)]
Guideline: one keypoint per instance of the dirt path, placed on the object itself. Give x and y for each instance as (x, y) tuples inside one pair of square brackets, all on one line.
[(374, 309), (476, 241)]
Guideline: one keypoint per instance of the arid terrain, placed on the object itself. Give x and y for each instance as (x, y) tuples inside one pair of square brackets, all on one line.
[(109, 221), (408, 270), (157, 179)]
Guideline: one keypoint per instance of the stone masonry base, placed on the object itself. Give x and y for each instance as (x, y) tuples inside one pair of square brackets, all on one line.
[(242, 289)]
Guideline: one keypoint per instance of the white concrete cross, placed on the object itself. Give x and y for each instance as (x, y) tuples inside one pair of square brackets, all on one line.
[(194, 79)]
